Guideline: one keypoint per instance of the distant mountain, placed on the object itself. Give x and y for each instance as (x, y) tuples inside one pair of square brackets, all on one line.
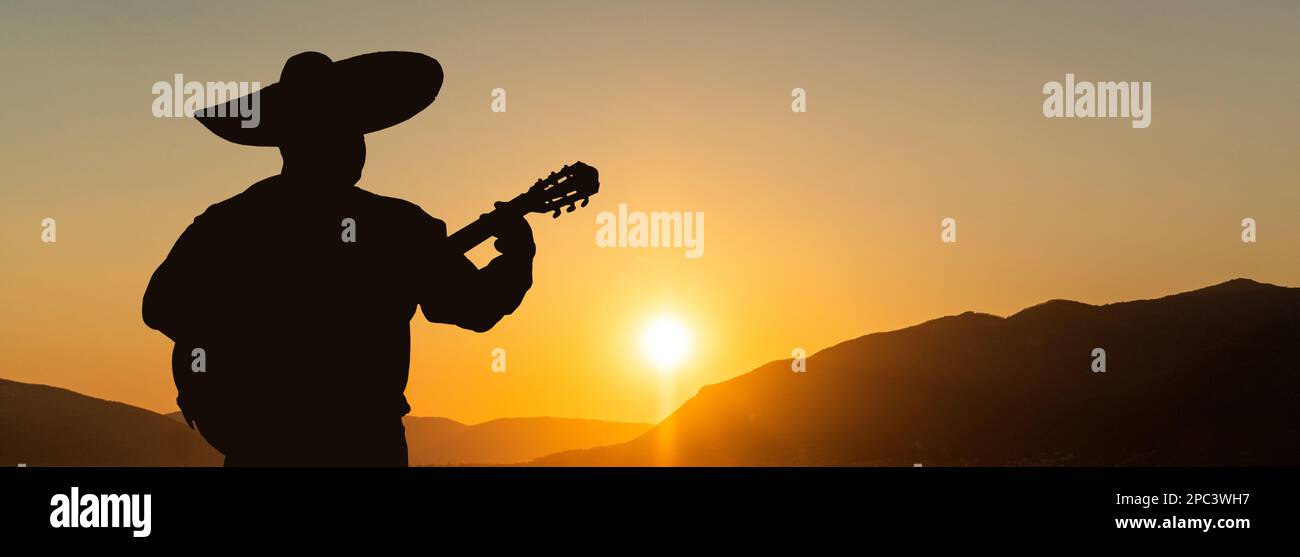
[(1208, 377), (441, 441), (48, 426)]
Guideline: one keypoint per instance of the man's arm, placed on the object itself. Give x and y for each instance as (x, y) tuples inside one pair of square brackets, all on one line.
[(452, 290)]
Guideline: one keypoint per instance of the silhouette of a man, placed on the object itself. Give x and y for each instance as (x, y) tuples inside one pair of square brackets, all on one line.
[(290, 303)]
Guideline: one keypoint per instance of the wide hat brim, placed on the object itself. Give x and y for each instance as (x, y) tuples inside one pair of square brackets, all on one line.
[(361, 94)]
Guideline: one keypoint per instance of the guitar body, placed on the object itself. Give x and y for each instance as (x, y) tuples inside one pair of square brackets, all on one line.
[(199, 395)]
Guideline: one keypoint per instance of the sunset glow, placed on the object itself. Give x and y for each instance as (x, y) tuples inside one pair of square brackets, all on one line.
[(821, 226)]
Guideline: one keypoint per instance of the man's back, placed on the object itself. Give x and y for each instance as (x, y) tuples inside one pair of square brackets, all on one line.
[(300, 301)]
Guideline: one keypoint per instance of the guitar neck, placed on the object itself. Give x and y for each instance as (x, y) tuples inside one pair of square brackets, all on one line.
[(572, 185), (484, 227)]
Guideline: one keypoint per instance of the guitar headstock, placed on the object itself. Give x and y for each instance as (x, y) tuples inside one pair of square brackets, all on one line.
[(571, 186)]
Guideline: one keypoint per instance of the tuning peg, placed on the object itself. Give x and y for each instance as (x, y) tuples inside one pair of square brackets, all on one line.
[(556, 215), (570, 208), (585, 200)]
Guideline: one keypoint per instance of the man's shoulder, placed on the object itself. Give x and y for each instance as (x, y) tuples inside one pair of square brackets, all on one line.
[(239, 202), (261, 198), (401, 209)]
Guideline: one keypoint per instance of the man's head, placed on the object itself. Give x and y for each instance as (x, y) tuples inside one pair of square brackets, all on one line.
[(326, 160), (322, 143)]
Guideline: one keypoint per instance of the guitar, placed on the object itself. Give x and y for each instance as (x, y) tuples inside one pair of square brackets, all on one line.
[(572, 185)]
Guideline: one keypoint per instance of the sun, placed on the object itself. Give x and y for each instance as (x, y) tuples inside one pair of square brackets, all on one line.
[(665, 343)]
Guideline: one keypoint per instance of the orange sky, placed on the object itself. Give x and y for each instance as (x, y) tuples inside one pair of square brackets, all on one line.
[(821, 226)]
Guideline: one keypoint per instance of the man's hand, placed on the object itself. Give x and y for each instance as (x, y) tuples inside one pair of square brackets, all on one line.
[(514, 236)]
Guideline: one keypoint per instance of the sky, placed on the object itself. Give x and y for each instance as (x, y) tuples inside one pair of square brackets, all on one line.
[(821, 226)]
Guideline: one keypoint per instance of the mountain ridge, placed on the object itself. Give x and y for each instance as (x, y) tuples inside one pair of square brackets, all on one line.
[(978, 378), (44, 425)]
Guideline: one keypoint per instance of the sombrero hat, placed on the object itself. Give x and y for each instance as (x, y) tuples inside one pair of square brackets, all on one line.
[(361, 94)]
